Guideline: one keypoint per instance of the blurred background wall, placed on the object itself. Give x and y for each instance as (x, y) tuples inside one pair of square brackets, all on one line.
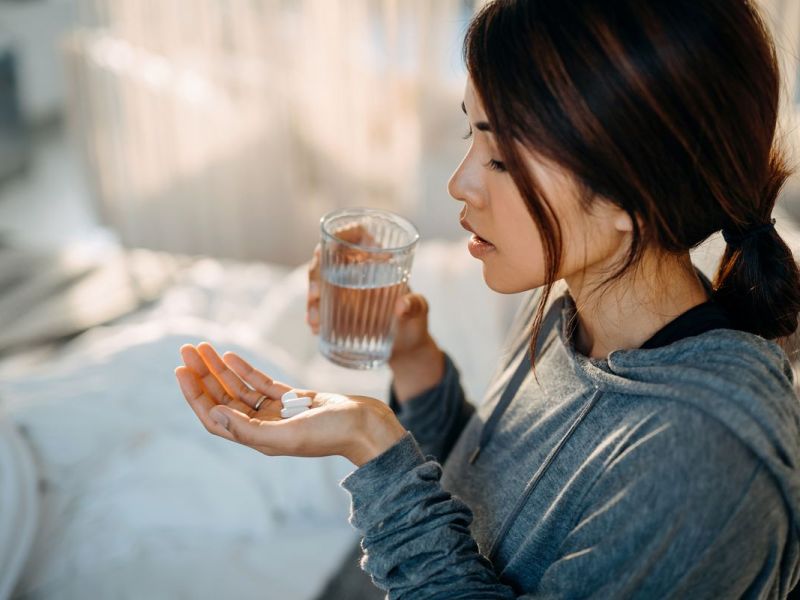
[(229, 128)]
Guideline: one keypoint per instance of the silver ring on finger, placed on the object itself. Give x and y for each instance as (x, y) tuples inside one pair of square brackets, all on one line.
[(260, 401)]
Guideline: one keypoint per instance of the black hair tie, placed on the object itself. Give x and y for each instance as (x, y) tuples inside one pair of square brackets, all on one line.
[(738, 238)]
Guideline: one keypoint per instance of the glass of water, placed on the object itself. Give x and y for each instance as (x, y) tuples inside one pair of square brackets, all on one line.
[(362, 276)]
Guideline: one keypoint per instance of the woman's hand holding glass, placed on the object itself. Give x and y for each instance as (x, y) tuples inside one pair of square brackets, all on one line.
[(416, 360), (223, 392)]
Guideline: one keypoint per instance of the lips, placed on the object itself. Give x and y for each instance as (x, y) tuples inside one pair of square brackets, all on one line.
[(468, 227)]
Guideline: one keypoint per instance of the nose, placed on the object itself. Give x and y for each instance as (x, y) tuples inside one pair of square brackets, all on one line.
[(464, 184)]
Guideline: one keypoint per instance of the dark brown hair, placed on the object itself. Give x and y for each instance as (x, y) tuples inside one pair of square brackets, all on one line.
[(668, 109)]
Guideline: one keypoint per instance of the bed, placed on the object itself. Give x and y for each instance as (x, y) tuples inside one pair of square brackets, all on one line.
[(110, 487)]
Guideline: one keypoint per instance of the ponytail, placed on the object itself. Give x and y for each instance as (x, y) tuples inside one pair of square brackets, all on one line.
[(758, 281)]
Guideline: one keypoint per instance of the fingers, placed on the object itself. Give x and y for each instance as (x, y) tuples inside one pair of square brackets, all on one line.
[(314, 265), (355, 233), (214, 388), (412, 305), (314, 292), (312, 306), (262, 383), (198, 400), (233, 384)]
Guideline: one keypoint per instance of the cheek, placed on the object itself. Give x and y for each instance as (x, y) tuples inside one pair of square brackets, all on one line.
[(518, 270), (519, 263), (525, 244)]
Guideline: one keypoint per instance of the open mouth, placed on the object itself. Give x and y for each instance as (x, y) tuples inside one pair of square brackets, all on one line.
[(479, 247), (476, 240)]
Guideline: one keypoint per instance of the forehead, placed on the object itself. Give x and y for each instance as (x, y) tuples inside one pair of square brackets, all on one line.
[(472, 102)]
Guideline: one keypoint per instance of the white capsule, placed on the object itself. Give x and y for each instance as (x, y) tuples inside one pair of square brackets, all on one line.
[(287, 413), (294, 401)]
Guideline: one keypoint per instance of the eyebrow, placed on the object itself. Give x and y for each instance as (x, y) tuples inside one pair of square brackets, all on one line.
[(480, 125)]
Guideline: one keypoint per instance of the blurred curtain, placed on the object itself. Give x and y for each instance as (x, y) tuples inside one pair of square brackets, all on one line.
[(230, 127), (783, 17)]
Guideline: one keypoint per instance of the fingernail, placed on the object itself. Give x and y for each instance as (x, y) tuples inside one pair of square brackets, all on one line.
[(406, 304), (313, 313), (220, 417), (313, 287)]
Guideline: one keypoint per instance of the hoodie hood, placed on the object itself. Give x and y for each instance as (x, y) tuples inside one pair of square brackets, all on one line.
[(742, 380)]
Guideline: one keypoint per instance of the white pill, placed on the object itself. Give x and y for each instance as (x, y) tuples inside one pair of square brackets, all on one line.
[(289, 395), (295, 402), (287, 413)]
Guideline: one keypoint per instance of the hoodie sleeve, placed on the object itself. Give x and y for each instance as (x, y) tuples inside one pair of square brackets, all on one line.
[(436, 416), (708, 522), (417, 542)]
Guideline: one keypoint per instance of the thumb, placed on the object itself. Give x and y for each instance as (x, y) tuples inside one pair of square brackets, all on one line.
[(237, 423), (413, 305), (219, 416)]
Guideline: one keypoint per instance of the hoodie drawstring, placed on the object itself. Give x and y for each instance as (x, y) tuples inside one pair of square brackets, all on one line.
[(523, 498)]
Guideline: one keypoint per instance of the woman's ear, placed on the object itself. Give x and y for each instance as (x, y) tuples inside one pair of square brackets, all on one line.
[(623, 222), (609, 212)]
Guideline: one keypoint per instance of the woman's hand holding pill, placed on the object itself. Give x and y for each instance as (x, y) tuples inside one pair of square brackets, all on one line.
[(225, 391)]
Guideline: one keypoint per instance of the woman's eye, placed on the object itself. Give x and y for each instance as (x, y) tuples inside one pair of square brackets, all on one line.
[(495, 165)]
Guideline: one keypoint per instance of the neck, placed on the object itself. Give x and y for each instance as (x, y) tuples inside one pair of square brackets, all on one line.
[(627, 312)]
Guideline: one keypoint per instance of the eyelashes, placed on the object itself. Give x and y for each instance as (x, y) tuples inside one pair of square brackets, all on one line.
[(493, 164)]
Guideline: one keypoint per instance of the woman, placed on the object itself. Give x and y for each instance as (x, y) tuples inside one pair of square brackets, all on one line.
[(653, 450)]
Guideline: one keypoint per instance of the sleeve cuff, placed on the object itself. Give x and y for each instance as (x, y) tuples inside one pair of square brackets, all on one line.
[(372, 478)]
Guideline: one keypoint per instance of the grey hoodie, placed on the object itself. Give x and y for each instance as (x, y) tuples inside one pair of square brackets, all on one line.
[(666, 472)]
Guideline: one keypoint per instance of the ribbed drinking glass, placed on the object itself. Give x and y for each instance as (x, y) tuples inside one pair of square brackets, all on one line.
[(366, 257)]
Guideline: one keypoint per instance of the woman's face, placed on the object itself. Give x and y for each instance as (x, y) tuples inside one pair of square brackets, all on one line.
[(496, 212)]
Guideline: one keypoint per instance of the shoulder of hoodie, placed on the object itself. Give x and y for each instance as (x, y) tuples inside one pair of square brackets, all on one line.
[(652, 428), (720, 345), (691, 382), (663, 417), (719, 361), (710, 376), (676, 451)]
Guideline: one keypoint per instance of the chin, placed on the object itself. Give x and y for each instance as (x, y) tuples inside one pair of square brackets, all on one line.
[(506, 283)]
